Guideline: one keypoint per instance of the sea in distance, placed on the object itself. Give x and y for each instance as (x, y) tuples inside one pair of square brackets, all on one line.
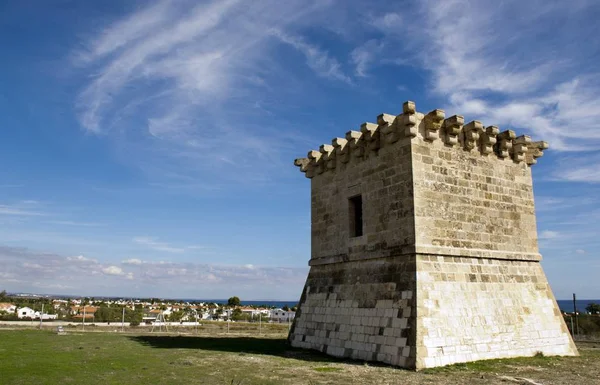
[(277, 304), (567, 304)]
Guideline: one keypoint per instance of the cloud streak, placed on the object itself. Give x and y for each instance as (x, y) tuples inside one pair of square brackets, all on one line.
[(317, 59), (492, 74), (157, 245), (172, 82), (27, 267), (363, 56), (25, 208)]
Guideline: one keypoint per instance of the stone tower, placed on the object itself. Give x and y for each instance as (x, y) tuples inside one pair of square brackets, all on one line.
[(424, 246)]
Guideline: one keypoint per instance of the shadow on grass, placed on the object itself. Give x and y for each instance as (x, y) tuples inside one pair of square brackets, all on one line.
[(249, 345)]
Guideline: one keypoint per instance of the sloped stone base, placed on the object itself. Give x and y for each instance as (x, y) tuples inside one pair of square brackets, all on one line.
[(474, 309), (424, 311), (361, 310)]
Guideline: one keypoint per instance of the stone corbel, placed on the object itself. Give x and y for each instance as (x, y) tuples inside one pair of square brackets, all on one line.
[(315, 161), (535, 150), (452, 127), (504, 143), (471, 133), (370, 135), (488, 140), (328, 157), (304, 165), (519, 148), (409, 119), (355, 144), (388, 128), (433, 123), (340, 146)]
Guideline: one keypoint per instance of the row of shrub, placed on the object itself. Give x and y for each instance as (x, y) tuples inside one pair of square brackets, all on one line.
[(583, 324)]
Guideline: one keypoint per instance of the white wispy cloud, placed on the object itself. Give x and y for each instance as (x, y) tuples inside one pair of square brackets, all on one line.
[(116, 270), (581, 169), (33, 209), (25, 267), (214, 273), (81, 258), (154, 244), (548, 234), (126, 31), (113, 270), (317, 59), (132, 261), (25, 208), (363, 56), (148, 56), (11, 210), (75, 223), (157, 245), (171, 83), (507, 78), (20, 235)]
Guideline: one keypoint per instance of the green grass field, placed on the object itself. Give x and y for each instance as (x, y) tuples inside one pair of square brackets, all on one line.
[(43, 357)]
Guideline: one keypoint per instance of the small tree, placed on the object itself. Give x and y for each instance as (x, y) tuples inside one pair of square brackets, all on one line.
[(133, 317), (234, 301), (3, 295), (593, 308), (285, 308), (176, 316), (237, 314)]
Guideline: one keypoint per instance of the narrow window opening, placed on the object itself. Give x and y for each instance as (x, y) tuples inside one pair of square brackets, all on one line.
[(356, 216)]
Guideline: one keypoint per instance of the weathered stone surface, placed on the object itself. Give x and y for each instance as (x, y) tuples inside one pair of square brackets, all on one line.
[(447, 268)]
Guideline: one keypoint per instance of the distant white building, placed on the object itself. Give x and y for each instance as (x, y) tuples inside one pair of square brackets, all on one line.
[(7, 307), (265, 312), (152, 315), (26, 312), (205, 315), (58, 303), (253, 313), (280, 315)]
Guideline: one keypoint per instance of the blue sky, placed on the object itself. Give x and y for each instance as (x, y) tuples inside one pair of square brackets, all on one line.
[(146, 148)]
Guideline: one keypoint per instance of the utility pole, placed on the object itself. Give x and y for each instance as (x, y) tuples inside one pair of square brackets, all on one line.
[(572, 330), (83, 320), (575, 312), (259, 323), (41, 316), (123, 321)]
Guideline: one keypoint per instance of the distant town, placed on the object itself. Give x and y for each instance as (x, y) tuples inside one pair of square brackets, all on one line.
[(134, 312)]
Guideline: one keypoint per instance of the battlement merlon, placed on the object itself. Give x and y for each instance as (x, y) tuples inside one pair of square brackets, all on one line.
[(410, 124)]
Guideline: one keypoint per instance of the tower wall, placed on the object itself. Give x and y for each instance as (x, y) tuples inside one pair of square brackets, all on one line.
[(384, 180), (472, 204), (446, 268)]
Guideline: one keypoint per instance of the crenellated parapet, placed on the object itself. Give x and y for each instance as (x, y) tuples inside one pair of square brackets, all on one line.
[(410, 125)]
